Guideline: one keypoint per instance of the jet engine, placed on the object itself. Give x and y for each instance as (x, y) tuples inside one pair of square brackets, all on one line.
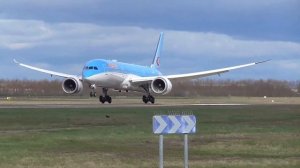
[(161, 85), (72, 85)]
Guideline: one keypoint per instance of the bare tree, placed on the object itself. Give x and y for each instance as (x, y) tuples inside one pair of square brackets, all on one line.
[(206, 87)]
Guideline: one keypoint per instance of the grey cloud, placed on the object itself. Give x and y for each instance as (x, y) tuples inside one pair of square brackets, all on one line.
[(129, 40), (251, 19), (66, 46)]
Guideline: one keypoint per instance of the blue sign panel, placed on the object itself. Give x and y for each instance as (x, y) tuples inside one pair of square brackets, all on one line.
[(174, 124)]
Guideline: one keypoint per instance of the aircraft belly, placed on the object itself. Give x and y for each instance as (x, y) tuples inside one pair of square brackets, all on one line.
[(113, 80), (108, 80)]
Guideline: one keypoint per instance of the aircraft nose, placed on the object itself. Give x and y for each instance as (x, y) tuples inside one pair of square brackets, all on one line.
[(86, 75)]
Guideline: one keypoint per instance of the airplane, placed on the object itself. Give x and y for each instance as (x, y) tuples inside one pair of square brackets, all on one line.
[(111, 74)]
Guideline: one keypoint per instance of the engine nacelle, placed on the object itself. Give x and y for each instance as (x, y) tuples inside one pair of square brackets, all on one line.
[(72, 85), (161, 85)]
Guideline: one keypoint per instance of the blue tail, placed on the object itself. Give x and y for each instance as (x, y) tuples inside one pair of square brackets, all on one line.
[(156, 59)]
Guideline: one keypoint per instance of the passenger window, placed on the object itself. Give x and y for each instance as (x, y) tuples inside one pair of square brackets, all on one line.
[(91, 67), (95, 68)]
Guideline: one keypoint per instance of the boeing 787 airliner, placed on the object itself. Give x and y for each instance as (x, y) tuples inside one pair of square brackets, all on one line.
[(111, 74)]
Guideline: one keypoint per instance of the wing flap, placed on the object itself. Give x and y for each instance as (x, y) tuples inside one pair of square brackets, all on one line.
[(142, 80)]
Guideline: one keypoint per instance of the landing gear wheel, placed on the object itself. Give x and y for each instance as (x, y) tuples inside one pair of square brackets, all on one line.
[(108, 99), (149, 98), (145, 99), (93, 94), (102, 99), (105, 98)]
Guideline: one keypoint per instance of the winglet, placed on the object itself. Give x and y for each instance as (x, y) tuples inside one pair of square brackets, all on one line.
[(46, 71), (156, 59), (15, 61), (263, 61)]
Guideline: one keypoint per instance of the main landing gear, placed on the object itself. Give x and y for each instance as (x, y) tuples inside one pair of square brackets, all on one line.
[(148, 98), (105, 98)]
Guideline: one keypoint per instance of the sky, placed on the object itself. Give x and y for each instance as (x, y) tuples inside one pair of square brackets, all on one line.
[(62, 35)]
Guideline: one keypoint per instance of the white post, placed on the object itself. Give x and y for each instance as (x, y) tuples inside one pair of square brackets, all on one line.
[(161, 151), (186, 151)]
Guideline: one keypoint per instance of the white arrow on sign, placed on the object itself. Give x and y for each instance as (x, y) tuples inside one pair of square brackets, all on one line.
[(176, 124), (162, 124), (190, 124)]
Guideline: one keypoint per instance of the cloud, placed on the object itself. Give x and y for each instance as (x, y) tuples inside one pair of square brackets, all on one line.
[(18, 46), (289, 65), (63, 45), (221, 45), (251, 19), (199, 35), (20, 34)]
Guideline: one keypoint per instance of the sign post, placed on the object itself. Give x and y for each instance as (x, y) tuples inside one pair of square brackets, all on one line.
[(161, 151), (174, 124), (186, 151)]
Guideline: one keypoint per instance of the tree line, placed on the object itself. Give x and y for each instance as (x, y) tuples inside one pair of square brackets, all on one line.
[(194, 88)]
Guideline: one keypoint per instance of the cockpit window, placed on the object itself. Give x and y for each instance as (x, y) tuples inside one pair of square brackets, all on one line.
[(91, 68)]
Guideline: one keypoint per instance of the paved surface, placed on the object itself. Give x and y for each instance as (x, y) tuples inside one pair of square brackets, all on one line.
[(91, 103), (137, 102)]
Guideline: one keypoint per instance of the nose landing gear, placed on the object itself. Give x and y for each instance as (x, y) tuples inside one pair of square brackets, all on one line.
[(93, 93)]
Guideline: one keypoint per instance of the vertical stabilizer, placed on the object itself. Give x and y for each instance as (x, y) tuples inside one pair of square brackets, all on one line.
[(156, 59)]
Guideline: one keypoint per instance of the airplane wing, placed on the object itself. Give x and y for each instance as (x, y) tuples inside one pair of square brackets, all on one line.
[(195, 75), (52, 73), (201, 74)]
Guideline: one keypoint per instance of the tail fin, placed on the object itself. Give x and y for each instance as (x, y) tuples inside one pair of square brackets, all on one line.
[(156, 59)]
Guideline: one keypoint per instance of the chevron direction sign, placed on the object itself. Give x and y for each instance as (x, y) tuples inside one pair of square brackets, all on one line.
[(174, 124)]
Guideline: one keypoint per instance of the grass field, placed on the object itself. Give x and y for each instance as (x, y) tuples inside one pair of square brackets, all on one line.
[(227, 136)]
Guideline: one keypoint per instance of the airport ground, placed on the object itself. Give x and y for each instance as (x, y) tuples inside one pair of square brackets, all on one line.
[(231, 132), (67, 102)]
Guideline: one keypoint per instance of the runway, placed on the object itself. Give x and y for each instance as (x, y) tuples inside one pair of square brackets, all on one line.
[(92, 103), (136, 102), (107, 105)]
